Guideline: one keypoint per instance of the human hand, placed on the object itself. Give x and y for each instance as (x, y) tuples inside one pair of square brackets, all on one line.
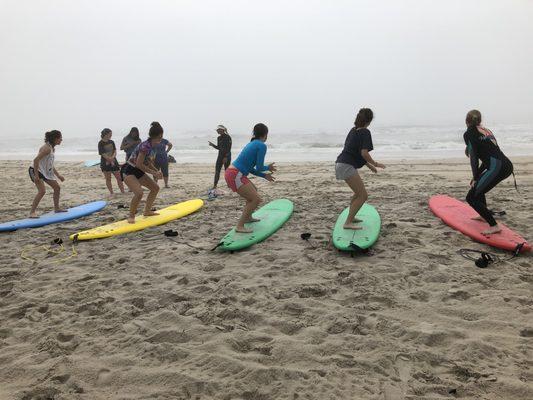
[(372, 168), (270, 177), (272, 167), (380, 165), (61, 178)]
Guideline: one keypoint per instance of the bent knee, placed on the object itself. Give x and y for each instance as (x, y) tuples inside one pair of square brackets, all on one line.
[(363, 196)]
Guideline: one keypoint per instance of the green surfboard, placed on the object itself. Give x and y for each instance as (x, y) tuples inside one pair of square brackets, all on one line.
[(350, 239), (272, 216)]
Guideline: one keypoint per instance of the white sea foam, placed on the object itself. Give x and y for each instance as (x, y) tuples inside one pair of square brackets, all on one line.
[(405, 142)]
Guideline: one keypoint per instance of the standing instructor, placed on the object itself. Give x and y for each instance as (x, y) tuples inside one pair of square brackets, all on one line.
[(224, 152)]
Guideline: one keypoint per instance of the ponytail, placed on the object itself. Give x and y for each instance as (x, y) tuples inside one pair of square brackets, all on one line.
[(156, 130), (364, 118), (260, 131)]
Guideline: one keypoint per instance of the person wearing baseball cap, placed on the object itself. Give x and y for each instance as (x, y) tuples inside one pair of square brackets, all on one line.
[(224, 152)]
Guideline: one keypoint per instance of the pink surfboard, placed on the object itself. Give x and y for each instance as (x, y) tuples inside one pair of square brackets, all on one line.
[(458, 215)]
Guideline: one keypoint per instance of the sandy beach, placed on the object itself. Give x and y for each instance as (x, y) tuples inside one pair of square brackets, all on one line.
[(143, 316)]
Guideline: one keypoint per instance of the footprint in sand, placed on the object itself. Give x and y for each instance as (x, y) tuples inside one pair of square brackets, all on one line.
[(402, 367), (104, 377)]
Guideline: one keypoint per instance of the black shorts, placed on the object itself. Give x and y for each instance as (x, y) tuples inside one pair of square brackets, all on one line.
[(31, 172), (105, 167), (127, 169)]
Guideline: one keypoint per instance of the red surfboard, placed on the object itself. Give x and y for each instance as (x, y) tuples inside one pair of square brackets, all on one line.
[(458, 215)]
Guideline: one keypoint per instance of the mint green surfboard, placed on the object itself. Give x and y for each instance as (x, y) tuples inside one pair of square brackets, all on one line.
[(272, 217), (352, 240)]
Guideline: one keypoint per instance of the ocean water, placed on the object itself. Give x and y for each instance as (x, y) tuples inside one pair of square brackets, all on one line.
[(390, 142)]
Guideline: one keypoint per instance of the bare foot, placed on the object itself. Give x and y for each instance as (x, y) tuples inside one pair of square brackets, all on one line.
[(34, 215), (111, 195), (243, 230), (352, 226), (131, 220), (60, 210), (492, 230), (167, 187), (253, 220), (150, 213)]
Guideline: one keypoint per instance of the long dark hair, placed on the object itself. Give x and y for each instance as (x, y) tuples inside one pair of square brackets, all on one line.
[(473, 118), (135, 131), (51, 137), (260, 131), (364, 117), (156, 130)]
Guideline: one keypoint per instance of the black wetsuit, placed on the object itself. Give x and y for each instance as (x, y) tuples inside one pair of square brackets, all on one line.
[(224, 152), (495, 167)]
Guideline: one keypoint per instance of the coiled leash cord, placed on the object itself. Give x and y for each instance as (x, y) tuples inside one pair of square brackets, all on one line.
[(54, 249), (487, 258)]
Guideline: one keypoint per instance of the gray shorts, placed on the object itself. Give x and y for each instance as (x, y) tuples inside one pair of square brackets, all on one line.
[(344, 171)]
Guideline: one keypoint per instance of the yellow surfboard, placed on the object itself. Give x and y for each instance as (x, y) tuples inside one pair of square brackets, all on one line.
[(167, 214)]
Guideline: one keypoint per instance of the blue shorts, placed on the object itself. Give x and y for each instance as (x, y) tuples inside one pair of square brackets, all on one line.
[(162, 166)]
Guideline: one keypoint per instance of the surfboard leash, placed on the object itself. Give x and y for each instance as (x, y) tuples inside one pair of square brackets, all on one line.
[(487, 258), (55, 248)]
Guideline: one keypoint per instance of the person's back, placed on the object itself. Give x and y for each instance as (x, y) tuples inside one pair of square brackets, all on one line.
[(356, 140), (495, 167), (482, 143), (251, 159)]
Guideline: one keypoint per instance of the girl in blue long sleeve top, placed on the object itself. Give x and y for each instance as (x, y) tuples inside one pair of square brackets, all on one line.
[(251, 160)]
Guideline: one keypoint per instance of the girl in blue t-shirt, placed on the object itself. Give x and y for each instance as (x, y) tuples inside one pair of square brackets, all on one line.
[(251, 160), (354, 155), (161, 159)]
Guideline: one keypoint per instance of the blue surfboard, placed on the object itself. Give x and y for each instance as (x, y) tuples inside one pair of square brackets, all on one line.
[(92, 163), (52, 217)]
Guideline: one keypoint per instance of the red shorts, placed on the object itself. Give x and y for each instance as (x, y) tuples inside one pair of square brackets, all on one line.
[(235, 179)]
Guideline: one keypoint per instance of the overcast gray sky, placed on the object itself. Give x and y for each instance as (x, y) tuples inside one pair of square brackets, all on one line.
[(79, 66)]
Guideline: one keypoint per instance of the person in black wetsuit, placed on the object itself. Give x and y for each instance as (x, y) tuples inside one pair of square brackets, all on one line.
[(224, 152), (481, 146)]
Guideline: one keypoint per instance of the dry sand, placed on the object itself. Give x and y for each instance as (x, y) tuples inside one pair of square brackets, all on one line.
[(142, 316)]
